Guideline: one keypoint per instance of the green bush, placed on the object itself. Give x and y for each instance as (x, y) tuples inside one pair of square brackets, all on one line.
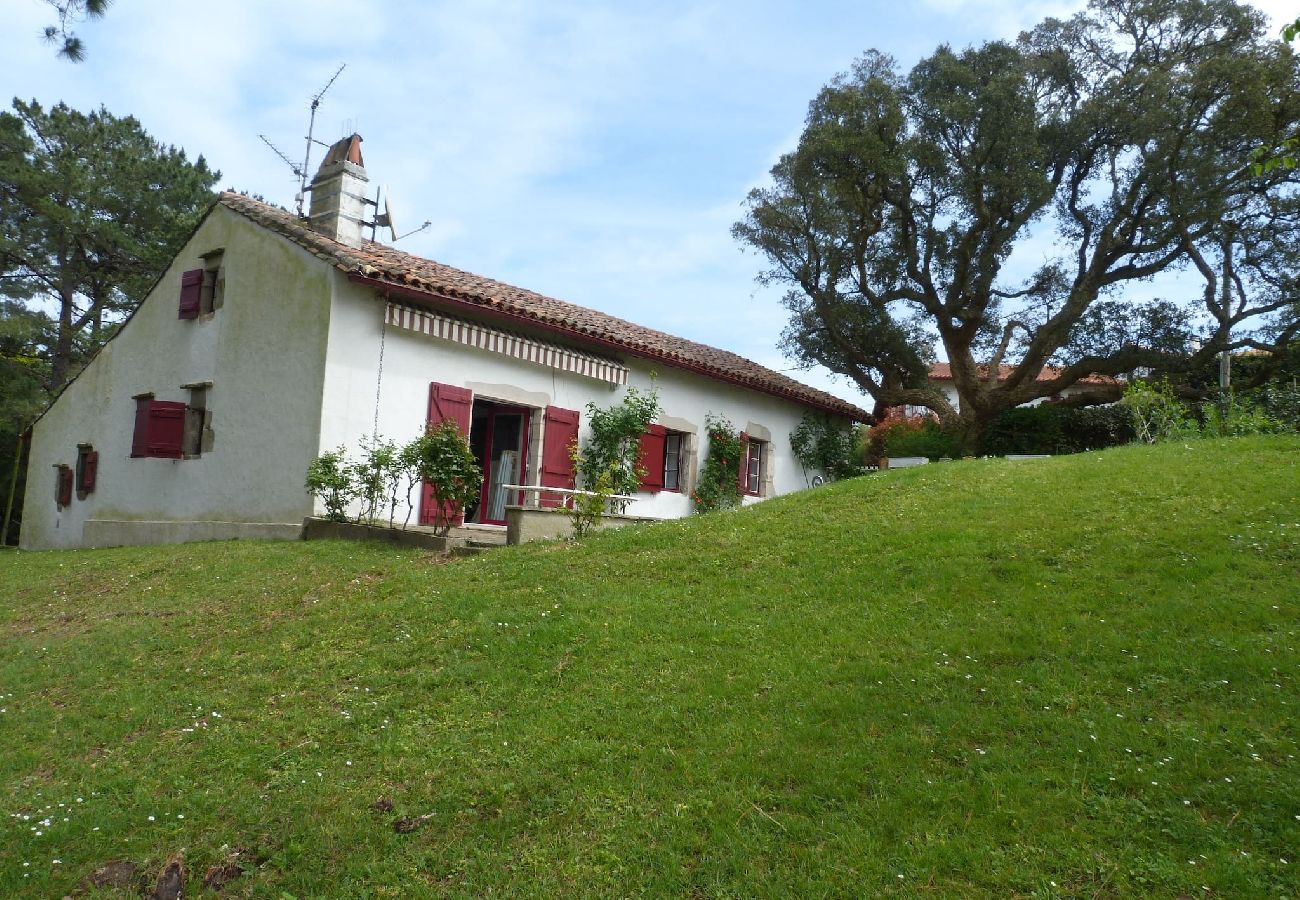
[(442, 457), (1048, 428), (719, 484), (332, 480), (918, 436), (822, 443)]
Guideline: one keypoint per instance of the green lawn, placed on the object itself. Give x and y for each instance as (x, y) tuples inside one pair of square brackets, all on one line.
[(1065, 677)]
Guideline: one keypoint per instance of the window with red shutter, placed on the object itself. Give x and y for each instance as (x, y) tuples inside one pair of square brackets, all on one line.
[(159, 429), (63, 485), (191, 294), (87, 469), (651, 458), (559, 434), (446, 401)]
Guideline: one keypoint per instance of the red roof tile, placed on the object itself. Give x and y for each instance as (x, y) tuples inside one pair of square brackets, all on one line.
[(943, 372), (383, 265)]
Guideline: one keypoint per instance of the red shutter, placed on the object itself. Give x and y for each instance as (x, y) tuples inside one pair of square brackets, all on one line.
[(191, 293), (89, 469), (140, 439), (166, 429), (64, 495), (651, 458), (742, 475), (446, 401), (558, 437)]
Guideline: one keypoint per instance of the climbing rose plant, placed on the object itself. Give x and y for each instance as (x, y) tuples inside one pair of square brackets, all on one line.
[(719, 482)]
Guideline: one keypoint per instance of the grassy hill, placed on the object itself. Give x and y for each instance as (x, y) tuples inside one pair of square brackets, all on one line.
[(1066, 677)]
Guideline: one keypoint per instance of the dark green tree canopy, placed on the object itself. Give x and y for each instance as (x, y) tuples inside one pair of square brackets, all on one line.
[(1114, 141), (91, 211)]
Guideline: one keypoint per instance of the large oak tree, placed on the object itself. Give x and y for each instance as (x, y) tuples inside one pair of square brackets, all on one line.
[(1116, 142)]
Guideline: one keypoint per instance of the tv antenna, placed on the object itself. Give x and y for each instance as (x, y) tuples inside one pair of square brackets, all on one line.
[(385, 219), (301, 171)]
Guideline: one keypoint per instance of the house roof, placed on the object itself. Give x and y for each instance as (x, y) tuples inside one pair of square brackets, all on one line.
[(385, 267), (943, 372)]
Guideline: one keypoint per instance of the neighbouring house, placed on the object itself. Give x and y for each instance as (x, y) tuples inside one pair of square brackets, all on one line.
[(272, 338), (940, 376)]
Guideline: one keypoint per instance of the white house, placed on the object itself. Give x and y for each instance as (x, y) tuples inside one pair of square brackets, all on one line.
[(271, 339)]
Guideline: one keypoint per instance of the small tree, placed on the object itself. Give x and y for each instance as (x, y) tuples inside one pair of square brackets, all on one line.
[(609, 464), (719, 484), (331, 479), (377, 475), (443, 458), (614, 444)]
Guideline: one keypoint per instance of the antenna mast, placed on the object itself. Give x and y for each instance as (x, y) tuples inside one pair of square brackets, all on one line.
[(311, 127)]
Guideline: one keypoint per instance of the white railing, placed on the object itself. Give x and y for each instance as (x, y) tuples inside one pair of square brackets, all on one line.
[(617, 502)]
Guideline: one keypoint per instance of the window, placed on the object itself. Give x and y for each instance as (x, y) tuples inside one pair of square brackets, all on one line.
[(159, 428), (661, 459), (673, 461), (203, 290), (62, 485), (198, 436), (87, 470), (752, 475)]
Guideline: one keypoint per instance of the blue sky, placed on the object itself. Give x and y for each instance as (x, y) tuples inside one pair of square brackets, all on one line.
[(596, 152)]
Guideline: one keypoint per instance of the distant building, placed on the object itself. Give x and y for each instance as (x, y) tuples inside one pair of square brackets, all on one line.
[(940, 376)]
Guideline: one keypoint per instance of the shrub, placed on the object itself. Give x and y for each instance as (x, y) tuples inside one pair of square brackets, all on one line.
[(442, 457), (719, 483), (1048, 428), (331, 479), (1158, 415), (378, 475), (1282, 403), (914, 436), (822, 443)]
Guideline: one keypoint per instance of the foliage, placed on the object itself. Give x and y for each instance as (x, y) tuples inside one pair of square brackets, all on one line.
[(92, 209), (1119, 133), (378, 475), (719, 482), (614, 441), (826, 444), (1282, 403), (1158, 414), (1237, 416), (1055, 429), (912, 436), (22, 395), (586, 510), (762, 688), (332, 480), (442, 457), (70, 12)]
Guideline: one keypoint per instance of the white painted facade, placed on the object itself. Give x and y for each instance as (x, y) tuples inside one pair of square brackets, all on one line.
[(293, 356)]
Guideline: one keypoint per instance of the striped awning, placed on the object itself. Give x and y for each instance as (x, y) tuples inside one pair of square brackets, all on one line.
[(493, 340)]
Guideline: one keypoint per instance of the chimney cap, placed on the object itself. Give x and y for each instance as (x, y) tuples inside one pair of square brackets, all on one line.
[(347, 149)]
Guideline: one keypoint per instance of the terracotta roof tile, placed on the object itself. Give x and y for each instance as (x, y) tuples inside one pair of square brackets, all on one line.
[(384, 264), (943, 372)]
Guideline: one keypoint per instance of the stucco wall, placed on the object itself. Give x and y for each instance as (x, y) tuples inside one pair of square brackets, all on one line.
[(411, 361), (263, 351)]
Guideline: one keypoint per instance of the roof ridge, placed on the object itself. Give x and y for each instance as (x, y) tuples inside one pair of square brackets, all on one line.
[(401, 269)]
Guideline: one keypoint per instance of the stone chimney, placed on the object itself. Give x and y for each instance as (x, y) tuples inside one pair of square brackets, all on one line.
[(338, 193)]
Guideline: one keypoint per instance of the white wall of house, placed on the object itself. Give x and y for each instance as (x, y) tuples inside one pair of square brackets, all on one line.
[(412, 361), (263, 351)]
